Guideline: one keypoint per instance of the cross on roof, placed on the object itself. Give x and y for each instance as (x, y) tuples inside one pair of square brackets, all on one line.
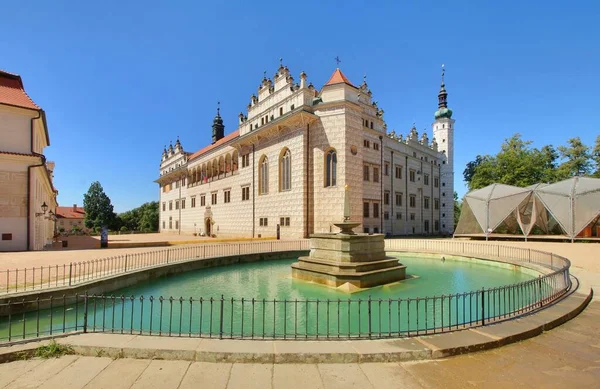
[(337, 61)]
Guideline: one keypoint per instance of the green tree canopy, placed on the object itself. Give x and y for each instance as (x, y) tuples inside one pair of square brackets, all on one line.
[(143, 218), (596, 156), (519, 164), (98, 209)]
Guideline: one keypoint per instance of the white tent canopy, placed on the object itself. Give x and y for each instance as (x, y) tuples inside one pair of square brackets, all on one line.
[(572, 205)]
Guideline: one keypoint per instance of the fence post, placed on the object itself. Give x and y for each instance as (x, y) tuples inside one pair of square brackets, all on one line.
[(369, 305), (70, 272), (221, 318), (85, 312), (125, 263), (168, 251), (540, 291), (482, 307)]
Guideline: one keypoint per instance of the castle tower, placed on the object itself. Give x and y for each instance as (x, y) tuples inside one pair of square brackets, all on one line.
[(443, 132), (218, 128)]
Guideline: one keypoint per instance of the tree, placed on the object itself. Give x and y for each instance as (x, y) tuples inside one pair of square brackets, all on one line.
[(472, 166), (143, 218), (596, 156), (98, 209), (457, 209), (578, 159)]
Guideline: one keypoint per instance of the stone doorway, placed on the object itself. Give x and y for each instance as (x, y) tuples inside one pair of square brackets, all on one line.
[(208, 226)]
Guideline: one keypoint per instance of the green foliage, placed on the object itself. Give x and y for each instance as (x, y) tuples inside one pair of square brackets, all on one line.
[(596, 156), (578, 159), (98, 209), (457, 209), (53, 350), (143, 218), (519, 164), (124, 229)]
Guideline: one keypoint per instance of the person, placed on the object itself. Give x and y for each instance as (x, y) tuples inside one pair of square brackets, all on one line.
[(443, 259)]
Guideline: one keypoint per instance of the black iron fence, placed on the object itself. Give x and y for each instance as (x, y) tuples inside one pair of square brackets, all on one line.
[(74, 273)]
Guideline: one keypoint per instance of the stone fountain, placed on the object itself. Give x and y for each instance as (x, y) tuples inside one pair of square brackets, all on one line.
[(346, 260)]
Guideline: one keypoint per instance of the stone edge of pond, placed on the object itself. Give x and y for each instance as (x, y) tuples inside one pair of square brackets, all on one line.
[(316, 351)]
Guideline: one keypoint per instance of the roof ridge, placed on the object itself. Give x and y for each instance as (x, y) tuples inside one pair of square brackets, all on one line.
[(337, 78)]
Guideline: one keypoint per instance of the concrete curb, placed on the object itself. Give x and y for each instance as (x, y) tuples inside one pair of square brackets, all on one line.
[(332, 351)]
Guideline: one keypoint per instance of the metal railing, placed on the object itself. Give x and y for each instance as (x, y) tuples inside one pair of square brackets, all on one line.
[(74, 273), (241, 318)]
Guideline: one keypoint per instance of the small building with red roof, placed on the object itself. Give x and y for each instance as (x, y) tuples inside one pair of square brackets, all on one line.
[(27, 193), (70, 218), (297, 152)]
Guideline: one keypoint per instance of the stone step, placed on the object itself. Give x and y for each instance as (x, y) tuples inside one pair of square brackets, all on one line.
[(345, 267)]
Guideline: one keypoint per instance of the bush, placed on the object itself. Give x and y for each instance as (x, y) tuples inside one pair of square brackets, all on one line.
[(53, 350), (124, 229)]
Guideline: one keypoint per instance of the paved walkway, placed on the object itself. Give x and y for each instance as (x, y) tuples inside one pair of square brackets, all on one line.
[(568, 356)]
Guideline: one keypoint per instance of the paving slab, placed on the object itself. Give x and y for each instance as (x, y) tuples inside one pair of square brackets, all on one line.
[(471, 370), (161, 347), (121, 373), (389, 375), (249, 376), (315, 352), (206, 375), (390, 350), (97, 340), (247, 351), (162, 375), (43, 372), (508, 332), (343, 376), (78, 373), (297, 376), (431, 374), (13, 370), (458, 342)]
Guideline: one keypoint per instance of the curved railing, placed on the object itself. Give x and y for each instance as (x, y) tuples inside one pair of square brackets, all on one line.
[(239, 318)]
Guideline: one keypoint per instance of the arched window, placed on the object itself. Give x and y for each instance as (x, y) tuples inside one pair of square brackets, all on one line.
[(285, 170), (330, 168), (263, 175)]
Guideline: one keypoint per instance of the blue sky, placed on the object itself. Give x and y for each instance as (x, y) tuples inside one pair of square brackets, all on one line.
[(120, 79)]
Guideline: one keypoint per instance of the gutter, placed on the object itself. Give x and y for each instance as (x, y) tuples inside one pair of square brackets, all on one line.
[(381, 206), (43, 163)]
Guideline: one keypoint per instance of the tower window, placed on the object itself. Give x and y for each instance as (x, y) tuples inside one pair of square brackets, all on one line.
[(280, 111), (330, 168)]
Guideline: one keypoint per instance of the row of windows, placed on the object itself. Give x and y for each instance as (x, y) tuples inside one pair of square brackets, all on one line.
[(367, 207), (367, 144), (366, 171), (213, 199), (263, 222), (266, 119)]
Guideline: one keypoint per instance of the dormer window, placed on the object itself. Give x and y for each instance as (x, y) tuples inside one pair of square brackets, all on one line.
[(280, 111)]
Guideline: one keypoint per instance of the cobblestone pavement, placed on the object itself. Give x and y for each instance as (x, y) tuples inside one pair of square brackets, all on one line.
[(568, 356)]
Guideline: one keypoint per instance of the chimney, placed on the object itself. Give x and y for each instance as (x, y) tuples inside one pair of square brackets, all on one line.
[(74, 207)]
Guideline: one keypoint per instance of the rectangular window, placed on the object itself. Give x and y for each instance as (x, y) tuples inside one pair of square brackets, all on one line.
[(426, 179), (386, 169), (412, 216), (284, 221), (376, 210), (176, 204), (7, 236), (164, 206), (193, 201), (170, 205), (164, 225), (183, 181), (226, 196), (366, 173), (202, 200), (375, 230), (426, 225), (245, 193), (398, 199), (375, 146), (176, 224), (399, 172), (399, 216), (386, 216), (182, 203), (280, 111), (164, 188), (366, 230), (263, 222), (245, 160), (371, 125), (386, 198), (411, 173), (176, 184), (436, 182), (436, 225), (375, 174), (366, 143), (436, 203), (365, 209), (426, 202), (213, 198), (412, 201)]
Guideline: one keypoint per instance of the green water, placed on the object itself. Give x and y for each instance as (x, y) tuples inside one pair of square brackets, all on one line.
[(275, 305)]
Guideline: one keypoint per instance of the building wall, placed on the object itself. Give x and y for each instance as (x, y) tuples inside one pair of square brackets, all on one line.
[(15, 129), (13, 205)]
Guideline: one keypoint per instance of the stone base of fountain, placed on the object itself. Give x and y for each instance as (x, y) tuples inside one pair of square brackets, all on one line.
[(349, 260)]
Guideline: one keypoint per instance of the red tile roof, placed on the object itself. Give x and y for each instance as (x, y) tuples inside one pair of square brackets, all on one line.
[(70, 213), (225, 139), (12, 91), (337, 78)]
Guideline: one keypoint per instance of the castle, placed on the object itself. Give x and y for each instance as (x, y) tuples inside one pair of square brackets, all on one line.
[(284, 169)]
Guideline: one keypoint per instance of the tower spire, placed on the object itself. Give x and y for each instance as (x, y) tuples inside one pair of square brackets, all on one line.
[(443, 110), (218, 129)]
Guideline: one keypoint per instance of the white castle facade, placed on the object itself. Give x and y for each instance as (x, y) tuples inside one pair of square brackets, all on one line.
[(286, 166)]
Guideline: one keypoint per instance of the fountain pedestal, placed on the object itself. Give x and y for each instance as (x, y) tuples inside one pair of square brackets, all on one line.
[(349, 260)]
